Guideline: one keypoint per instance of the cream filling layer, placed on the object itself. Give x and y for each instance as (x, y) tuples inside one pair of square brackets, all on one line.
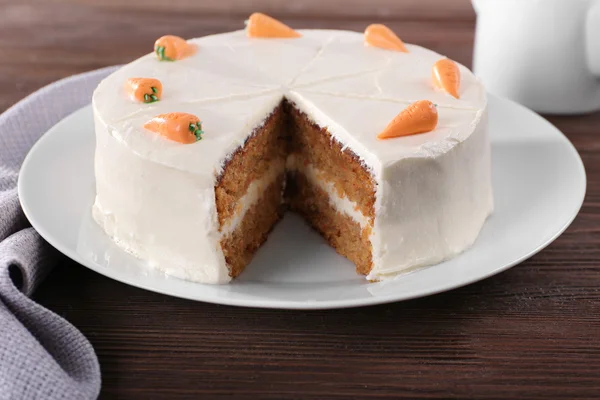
[(252, 196), (340, 203)]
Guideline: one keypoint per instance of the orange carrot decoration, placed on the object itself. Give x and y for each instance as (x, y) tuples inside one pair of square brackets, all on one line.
[(177, 126), (146, 90), (262, 26), (419, 117), (381, 36), (446, 76), (171, 48)]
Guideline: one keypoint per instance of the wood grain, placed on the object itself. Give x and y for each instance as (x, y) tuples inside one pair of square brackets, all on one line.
[(383, 10), (530, 333)]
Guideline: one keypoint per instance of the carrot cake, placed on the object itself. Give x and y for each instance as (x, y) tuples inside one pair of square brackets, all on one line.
[(202, 146)]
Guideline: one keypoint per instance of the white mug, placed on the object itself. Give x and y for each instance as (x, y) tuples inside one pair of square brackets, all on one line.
[(544, 54)]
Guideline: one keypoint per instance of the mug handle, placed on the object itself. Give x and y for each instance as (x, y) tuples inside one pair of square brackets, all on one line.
[(592, 37)]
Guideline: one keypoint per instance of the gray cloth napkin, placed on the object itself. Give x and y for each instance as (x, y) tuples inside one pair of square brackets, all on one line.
[(42, 356)]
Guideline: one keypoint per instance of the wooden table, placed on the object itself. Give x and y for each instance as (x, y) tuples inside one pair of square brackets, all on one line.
[(531, 332)]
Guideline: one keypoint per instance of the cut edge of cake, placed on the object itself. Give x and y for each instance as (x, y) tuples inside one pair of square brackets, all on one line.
[(289, 162)]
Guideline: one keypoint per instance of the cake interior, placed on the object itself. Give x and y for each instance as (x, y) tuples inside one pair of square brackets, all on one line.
[(291, 163)]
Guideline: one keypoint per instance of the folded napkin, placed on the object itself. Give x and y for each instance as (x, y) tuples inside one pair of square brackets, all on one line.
[(42, 356)]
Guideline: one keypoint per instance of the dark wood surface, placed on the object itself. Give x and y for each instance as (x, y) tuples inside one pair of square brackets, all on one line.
[(531, 332)]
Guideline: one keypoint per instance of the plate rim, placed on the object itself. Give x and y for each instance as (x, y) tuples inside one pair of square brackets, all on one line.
[(293, 304)]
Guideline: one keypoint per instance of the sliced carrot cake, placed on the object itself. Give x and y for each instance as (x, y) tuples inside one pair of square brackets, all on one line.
[(203, 145)]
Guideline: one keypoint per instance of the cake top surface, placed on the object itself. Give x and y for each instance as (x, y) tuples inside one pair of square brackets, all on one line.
[(232, 83)]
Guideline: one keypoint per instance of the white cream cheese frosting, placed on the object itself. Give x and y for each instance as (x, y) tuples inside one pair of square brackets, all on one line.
[(341, 204), (155, 197)]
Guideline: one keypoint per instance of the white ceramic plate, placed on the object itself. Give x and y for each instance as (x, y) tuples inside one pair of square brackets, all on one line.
[(539, 185)]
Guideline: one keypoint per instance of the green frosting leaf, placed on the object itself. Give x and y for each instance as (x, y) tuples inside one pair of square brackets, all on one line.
[(160, 52), (150, 98), (196, 130)]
